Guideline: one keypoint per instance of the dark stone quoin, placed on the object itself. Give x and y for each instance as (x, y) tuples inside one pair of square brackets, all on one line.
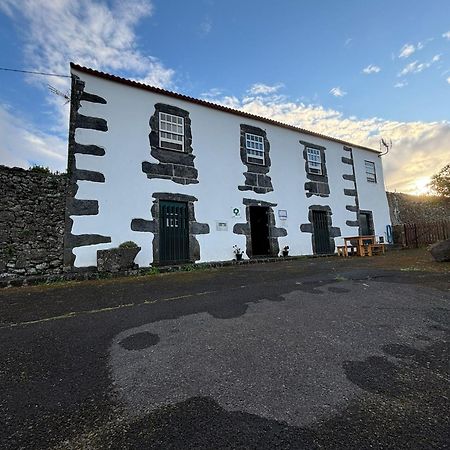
[(256, 178), (76, 207), (353, 192), (174, 165)]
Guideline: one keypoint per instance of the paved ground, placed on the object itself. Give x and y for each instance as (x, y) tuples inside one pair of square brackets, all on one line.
[(320, 353)]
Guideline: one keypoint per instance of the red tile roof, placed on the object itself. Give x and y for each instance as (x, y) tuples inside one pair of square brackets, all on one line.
[(197, 101)]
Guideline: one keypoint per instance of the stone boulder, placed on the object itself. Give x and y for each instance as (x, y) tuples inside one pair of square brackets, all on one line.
[(441, 250), (117, 259)]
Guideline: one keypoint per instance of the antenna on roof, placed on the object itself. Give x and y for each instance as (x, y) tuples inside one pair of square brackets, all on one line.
[(55, 91), (386, 145)]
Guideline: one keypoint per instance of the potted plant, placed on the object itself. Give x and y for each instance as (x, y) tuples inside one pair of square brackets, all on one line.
[(285, 251), (238, 252)]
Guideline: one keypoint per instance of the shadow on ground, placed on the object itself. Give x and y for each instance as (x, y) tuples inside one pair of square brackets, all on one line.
[(405, 405)]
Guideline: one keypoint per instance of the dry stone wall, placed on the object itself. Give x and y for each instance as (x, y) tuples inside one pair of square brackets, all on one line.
[(32, 206), (406, 208)]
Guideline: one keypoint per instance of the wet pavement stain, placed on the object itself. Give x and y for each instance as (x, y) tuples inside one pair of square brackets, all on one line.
[(139, 341)]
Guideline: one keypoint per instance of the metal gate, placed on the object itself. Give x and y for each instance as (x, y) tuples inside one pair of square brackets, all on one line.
[(321, 232), (173, 232)]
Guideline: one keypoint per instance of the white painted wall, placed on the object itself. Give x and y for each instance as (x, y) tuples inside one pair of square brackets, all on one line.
[(127, 192)]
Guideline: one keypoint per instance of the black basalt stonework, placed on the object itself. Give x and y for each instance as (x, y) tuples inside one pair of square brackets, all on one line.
[(318, 184), (77, 207), (256, 178), (174, 165), (274, 232), (152, 226), (309, 227), (32, 208), (348, 160)]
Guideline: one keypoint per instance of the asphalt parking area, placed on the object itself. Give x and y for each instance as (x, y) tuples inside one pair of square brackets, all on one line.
[(303, 354)]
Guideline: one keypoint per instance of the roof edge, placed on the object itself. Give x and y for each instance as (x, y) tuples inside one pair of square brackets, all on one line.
[(236, 112)]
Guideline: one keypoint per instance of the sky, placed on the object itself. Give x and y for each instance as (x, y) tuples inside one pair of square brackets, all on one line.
[(351, 69)]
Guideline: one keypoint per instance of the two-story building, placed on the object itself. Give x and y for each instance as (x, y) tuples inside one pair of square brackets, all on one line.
[(187, 179)]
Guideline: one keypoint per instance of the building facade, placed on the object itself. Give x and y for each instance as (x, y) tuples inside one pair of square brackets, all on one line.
[(188, 180)]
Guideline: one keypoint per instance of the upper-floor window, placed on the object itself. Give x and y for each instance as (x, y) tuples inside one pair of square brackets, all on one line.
[(255, 147), (171, 132), (370, 171), (314, 161)]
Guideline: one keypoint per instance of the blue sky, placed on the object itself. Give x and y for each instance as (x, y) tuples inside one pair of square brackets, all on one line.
[(358, 70)]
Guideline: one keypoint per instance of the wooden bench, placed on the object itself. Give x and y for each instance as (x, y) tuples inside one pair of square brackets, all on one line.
[(376, 249), (346, 250)]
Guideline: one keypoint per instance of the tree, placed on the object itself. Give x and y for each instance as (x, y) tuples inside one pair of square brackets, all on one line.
[(440, 182)]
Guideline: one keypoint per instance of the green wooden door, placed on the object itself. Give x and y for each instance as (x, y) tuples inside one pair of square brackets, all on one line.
[(321, 232), (173, 232)]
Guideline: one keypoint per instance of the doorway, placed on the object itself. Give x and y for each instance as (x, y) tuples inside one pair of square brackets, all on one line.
[(366, 223), (259, 227), (321, 233), (174, 232)]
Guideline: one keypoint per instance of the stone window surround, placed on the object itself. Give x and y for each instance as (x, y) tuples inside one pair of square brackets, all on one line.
[(371, 177), (274, 232), (152, 226), (309, 227), (256, 178), (174, 165), (318, 184)]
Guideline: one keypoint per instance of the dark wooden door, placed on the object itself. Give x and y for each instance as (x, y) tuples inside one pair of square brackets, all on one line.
[(322, 243), (365, 222), (259, 226), (173, 232)]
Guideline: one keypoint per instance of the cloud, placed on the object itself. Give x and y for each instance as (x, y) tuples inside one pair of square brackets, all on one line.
[(406, 51), (446, 35), (95, 33), (206, 26), (419, 148), (264, 89), (401, 84), (88, 32), (371, 69), (22, 145), (347, 42), (448, 80), (416, 67), (337, 92)]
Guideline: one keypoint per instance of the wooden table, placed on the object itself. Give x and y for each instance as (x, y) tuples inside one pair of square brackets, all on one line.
[(364, 245)]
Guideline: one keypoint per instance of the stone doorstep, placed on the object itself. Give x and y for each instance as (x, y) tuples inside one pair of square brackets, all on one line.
[(85, 275)]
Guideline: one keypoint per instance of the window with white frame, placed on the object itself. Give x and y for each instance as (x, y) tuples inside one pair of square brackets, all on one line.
[(314, 161), (171, 131), (370, 171), (255, 147)]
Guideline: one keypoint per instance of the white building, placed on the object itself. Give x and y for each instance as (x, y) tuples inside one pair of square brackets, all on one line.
[(187, 179)]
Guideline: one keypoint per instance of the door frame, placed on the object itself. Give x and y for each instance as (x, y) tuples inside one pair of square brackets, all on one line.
[(264, 210)]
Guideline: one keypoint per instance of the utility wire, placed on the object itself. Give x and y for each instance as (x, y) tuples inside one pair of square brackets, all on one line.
[(35, 73)]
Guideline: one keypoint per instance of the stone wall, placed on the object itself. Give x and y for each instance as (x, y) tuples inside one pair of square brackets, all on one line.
[(406, 208), (32, 207)]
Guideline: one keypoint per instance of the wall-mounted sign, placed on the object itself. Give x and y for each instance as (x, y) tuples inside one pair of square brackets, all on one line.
[(282, 214), (236, 212), (221, 225)]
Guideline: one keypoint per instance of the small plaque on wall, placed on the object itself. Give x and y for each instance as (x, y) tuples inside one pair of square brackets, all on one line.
[(282, 214), (236, 212), (221, 225)]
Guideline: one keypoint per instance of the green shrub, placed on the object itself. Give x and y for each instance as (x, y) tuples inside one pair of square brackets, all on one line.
[(128, 244)]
